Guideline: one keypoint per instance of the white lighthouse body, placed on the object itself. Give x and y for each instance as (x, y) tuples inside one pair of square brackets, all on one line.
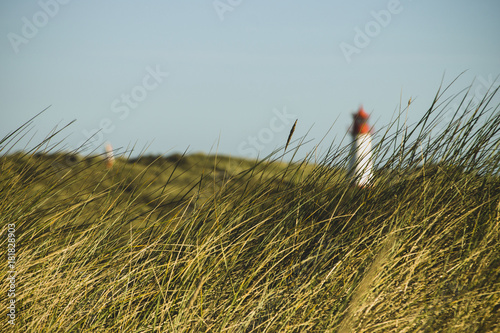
[(110, 158), (361, 162)]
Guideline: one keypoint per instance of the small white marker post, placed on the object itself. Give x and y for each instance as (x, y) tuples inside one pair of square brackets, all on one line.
[(361, 163), (110, 158)]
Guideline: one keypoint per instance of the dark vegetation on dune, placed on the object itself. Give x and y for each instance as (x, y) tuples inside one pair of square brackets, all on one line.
[(194, 243)]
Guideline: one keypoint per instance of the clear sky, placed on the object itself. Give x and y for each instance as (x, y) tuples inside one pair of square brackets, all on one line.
[(233, 75)]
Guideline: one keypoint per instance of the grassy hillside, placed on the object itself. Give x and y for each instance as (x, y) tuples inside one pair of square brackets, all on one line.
[(147, 187), (212, 243)]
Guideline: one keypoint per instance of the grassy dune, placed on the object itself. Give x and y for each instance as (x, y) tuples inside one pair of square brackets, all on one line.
[(211, 243)]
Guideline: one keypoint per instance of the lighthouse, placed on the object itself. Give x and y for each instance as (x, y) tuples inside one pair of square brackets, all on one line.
[(110, 158), (361, 163)]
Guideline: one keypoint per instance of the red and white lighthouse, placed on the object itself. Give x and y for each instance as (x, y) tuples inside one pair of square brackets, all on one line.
[(361, 163)]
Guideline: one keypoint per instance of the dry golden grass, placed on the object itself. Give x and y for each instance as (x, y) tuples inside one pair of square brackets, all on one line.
[(211, 243)]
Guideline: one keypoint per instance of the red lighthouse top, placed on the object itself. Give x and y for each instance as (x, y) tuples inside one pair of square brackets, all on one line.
[(360, 125)]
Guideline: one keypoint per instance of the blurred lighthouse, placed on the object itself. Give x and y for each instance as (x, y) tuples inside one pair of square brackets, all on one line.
[(361, 163), (110, 157)]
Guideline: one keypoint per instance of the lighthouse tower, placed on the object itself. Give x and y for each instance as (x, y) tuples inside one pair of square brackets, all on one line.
[(110, 158), (361, 163)]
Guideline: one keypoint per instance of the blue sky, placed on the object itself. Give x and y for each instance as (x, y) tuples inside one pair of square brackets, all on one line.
[(232, 75)]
